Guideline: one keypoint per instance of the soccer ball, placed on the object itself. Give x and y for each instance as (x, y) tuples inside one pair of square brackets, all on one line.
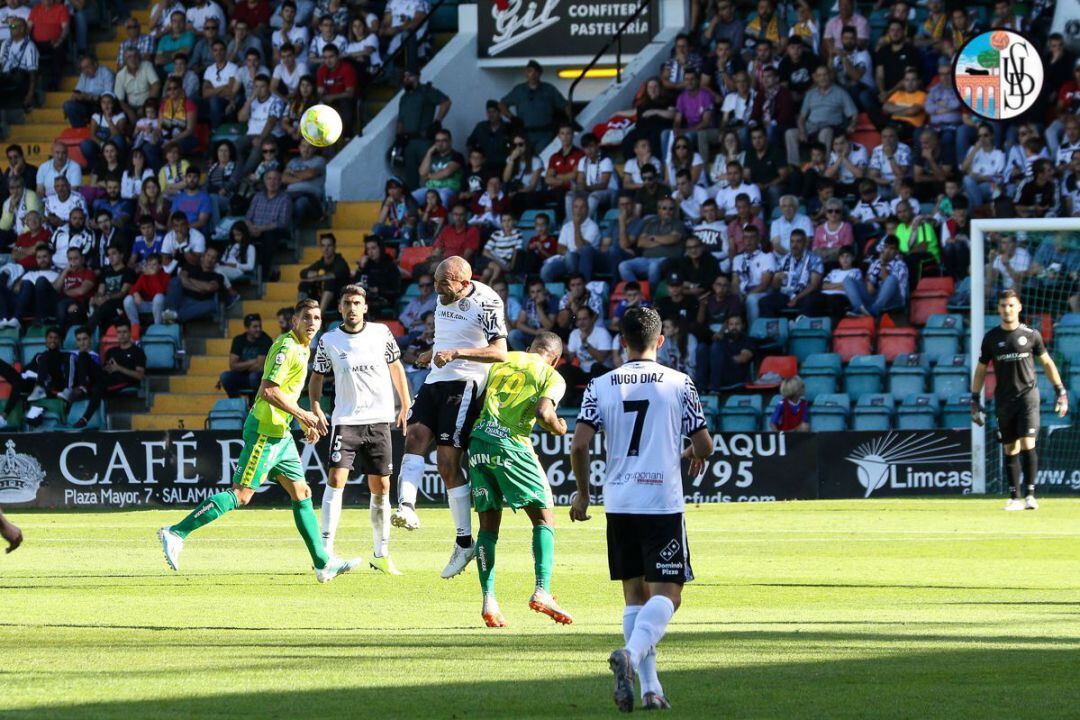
[(320, 125)]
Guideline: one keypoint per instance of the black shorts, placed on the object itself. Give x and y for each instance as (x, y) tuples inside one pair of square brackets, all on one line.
[(653, 546), (368, 443), (1018, 417), (448, 409)]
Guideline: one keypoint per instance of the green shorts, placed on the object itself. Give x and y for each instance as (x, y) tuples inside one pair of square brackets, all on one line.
[(505, 474), (264, 455)]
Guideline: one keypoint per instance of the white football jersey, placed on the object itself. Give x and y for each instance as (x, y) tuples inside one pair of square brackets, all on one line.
[(645, 409), (360, 363), (474, 321)]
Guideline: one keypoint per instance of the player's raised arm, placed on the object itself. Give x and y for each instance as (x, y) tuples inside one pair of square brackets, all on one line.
[(271, 393), (1061, 404), (493, 352)]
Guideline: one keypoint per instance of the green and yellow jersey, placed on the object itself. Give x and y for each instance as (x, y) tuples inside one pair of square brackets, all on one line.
[(286, 366), (514, 389)]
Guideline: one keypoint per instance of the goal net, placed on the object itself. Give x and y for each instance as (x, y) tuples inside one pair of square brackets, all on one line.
[(1039, 258)]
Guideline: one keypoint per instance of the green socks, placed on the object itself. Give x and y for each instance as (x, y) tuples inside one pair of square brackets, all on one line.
[(543, 554), (308, 526), (207, 512), (485, 560)]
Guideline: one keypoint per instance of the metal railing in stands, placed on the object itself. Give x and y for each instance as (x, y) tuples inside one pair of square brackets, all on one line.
[(615, 40)]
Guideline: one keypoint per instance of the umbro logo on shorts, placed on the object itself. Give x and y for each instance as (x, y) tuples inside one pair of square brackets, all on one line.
[(669, 552)]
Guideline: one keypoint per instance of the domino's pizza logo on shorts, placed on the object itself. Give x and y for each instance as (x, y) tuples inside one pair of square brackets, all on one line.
[(670, 551)]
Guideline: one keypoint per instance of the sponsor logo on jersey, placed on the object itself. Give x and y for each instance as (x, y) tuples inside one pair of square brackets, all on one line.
[(891, 460), (463, 304), (279, 358), (1021, 341)]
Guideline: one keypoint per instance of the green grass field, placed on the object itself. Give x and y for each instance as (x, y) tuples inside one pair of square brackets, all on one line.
[(859, 609)]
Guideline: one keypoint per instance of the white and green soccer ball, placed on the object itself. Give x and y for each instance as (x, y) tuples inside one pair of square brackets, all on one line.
[(320, 125)]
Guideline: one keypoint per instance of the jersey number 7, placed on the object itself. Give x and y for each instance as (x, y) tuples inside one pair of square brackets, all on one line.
[(639, 408)]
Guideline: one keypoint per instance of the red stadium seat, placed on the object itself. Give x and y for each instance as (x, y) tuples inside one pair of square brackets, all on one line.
[(897, 341), (931, 297), (869, 139), (783, 365), (413, 256), (854, 336)]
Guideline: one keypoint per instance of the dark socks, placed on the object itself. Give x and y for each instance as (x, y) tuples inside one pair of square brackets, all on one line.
[(1029, 459), (1012, 473)]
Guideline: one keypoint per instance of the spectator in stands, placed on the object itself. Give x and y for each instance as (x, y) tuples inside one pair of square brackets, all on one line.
[(694, 113), (562, 166), (412, 317), (890, 162), (85, 379), (19, 203), (792, 413), (393, 223), (183, 245), (239, 258), (305, 180), (147, 294), (33, 293), (797, 68), (521, 174), (405, 21), (262, 111), (806, 28), (683, 59), (790, 218), (417, 345), (116, 281), (944, 115), (835, 27), (337, 85), (125, 363), (737, 108), (106, 233), (729, 357), (689, 198), (51, 366), (918, 240), (578, 248), (590, 344), (242, 41), (441, 169), (712, 232), (327, 35), (59, 165), (378, 273), (774, 107), (1039, 196), (476, 174), (537, 314), (855, 72), (188, 79), (324, 278), (500, 250), (194, 202), (661, 240), (196, 290), (74, 288), (221, 85), (420, 112), (246, 358), (906, 106), (1008, 266), (886, 285), (34, 234), (832, 234), (286, 77), (50, 25), (179, 118), (834, 300), (764, 57), (594, 177), (152, 205), (768, 170), (826, 110), (632, 298), (796, 282), (60, 206), (491, 136), (697, 267), (724, 25), (541, 247), (178, 39), (744, 220), (269, 218), (679, 305), (754, 270), (17, 167), (432, 216), (18, 67), (202, 55), (577, 296), (148, 241), (251, 68), (458, 238), (956, 241), (681, 157), (136, 40), (712, 312), (535, 104), (680, 348), (847, 164), (108, 125), (734, 187)]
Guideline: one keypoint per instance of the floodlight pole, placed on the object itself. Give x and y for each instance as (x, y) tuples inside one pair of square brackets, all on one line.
[(979, 228)]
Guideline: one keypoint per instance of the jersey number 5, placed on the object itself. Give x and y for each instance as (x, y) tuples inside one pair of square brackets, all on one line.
[(640, 409)]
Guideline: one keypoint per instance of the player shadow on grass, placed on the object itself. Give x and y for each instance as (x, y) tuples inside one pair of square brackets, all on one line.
[(881, 676)]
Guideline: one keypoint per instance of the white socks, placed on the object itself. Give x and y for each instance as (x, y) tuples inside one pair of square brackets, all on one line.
[(649, 627), (331, 513), (461, 509), (412, 471), (647, 669), (380, 524)]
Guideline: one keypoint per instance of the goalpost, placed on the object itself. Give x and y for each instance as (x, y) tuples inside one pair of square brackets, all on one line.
[(980, 300)]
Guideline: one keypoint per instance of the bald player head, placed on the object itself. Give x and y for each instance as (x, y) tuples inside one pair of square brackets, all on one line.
[(452, 279)]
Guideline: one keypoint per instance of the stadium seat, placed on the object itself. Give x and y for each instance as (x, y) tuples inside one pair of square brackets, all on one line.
[(779, 366), (820, 373), (951, 375), (942, 334), (411, 257), (873, 411), (830, 412), (960, 300), (895, 341), (710, 405), (865, 375), (907, 375), (1069, 320), (78, 408), (31, 346), (769, 408), (1067, 341), (228, 414), (528, 218), (917, 411), (741, 413), (854, 337), (809, 335), (9, 350), (160, 344), (771, 333), (931, 296), (956, 413)]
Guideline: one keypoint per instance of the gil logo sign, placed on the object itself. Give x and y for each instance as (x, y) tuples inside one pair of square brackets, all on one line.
[(998, 74), (877, 462)]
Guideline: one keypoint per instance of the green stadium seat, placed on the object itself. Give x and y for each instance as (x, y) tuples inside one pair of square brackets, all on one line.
[(907, 375), (942, 334), (771, 333), (865, 375), (809, 335), (918, 411), (741, 413), (956, 413), (873, 411), (830, 412), (820, 373), (951, 375)]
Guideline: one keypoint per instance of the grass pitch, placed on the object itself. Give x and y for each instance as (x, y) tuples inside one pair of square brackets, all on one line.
[(858, 609)]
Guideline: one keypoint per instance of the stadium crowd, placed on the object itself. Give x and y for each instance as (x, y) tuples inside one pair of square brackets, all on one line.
[(788, 160)]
